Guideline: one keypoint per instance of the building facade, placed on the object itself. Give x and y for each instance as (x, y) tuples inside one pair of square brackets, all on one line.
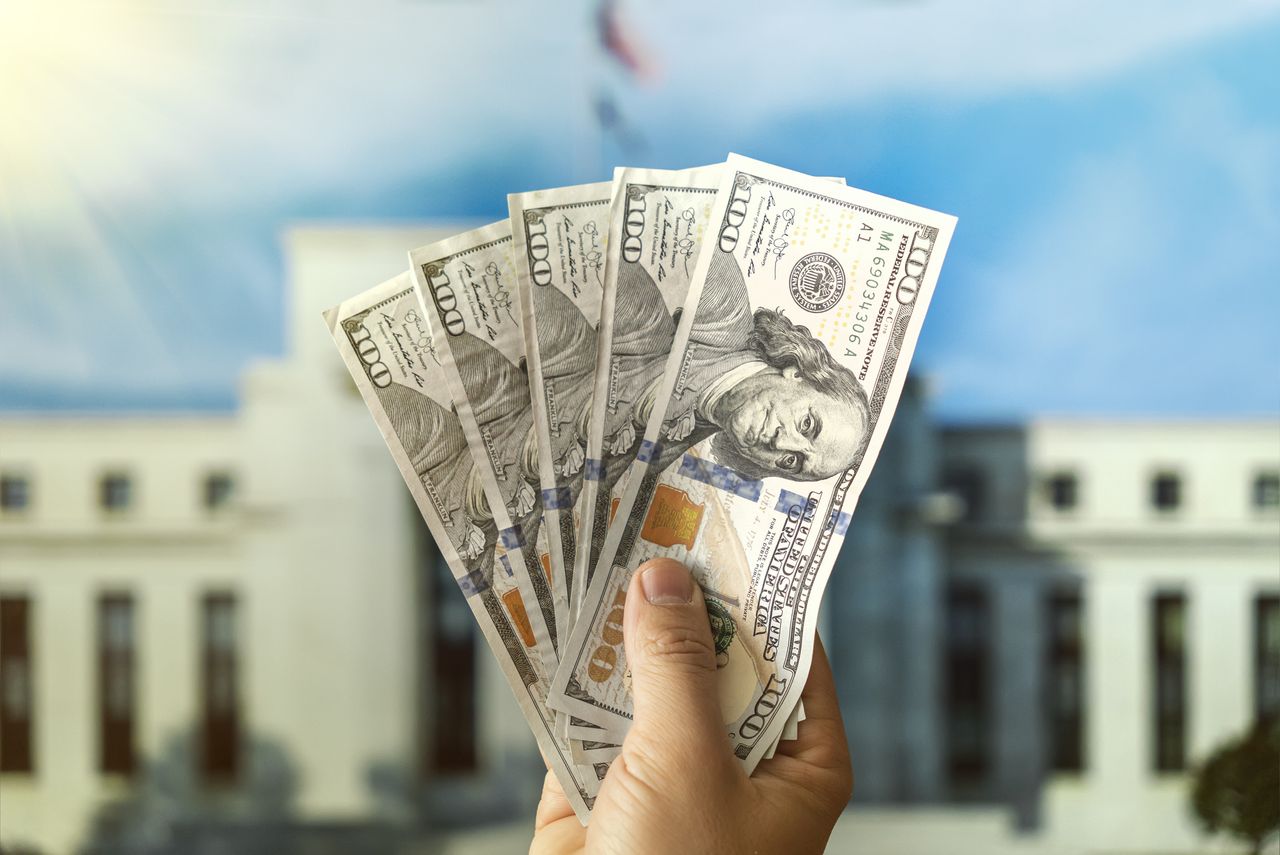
[(240, 617), (1060, 618)]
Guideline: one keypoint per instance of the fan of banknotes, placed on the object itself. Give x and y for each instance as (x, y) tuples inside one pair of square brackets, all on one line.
[(696, 363)]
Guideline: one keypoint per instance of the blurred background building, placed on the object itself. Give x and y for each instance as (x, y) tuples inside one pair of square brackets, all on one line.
[(236, 625), (222, 626)]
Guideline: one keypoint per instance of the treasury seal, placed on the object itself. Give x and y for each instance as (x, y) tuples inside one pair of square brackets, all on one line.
[(817, 282)]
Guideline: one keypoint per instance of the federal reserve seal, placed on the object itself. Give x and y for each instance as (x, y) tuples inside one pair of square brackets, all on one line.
[(817, 282)]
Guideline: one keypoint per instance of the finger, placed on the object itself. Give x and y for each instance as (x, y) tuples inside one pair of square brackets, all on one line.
[(820, 738), (668, 643), (553, 806)]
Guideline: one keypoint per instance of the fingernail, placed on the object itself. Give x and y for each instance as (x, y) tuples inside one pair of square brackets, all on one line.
[(666, 582)]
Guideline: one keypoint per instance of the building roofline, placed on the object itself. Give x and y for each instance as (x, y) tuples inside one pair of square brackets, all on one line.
[(1104, 421)]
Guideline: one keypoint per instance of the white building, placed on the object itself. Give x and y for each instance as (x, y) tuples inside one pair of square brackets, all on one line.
[(249, 599), (1012, 654), (1116, 587), (240, 616)]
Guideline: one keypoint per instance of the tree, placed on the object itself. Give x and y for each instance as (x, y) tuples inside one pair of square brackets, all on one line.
[(1237, 790)]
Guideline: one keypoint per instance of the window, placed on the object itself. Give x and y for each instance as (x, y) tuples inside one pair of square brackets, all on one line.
[(15, 492), (967, 655), (116, 684), (219, 693), (1266, 656), (1168, 620), (115, 491), (219, 488), (1062, 491), (15, 685), (452, 694), (1266, 490), (968, 483), (1166, 491), (1065, 681)]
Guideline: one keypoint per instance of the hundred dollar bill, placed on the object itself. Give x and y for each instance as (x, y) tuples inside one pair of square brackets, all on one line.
[(466, 285), (783, 374), (386, 343), (558, 244), (656, 224)]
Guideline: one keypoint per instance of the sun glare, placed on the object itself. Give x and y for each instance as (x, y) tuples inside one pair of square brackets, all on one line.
[(74, 81)]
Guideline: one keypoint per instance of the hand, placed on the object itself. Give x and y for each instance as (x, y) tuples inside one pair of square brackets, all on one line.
[(526, 497), (572, 460), (622, 441), (682, 426), (676, 787)]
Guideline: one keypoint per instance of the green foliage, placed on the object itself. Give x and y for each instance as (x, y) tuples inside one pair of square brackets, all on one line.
[(1237, 790)]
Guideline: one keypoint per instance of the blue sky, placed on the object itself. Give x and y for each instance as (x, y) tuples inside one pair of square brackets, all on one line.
[(1116, 174)]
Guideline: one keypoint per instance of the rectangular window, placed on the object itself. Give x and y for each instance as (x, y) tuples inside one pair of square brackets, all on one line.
[(116, 684), (219, 690), (15, 685), (967, 682), (1062, 490), (1266, 490), (453, 691), (1065, 681), (1266, 656), (219, 488), (115, 492), (15, 492), (968, 483), (1169, 701), (1166, 491)]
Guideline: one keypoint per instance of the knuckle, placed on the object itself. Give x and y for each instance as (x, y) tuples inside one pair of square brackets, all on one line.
[(637, 777), (679, 646)]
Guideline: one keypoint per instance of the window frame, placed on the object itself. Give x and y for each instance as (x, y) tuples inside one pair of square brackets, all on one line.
[(221, 724), (1256, 491), (211, 499), (973, 660), (1266, 663), (106, 504), (971, 482), (117, 734), (1063, 655), (1169, 474), (17, 732), (9, 477), (1169, 676), (1049, 493)]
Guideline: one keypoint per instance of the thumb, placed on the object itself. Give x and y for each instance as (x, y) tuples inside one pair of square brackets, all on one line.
[(672, 659)]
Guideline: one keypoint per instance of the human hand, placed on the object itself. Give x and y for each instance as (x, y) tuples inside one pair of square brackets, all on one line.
[(676, 787)]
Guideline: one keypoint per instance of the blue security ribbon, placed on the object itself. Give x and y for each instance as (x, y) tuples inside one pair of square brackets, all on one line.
[(840, 522), (594, 469), (648, 451), (720, 477), (473, 583), (512, 538), (557, 498), (788, 500)]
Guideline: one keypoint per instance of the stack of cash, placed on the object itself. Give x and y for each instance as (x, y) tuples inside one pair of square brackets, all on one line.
[(697, 363)]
